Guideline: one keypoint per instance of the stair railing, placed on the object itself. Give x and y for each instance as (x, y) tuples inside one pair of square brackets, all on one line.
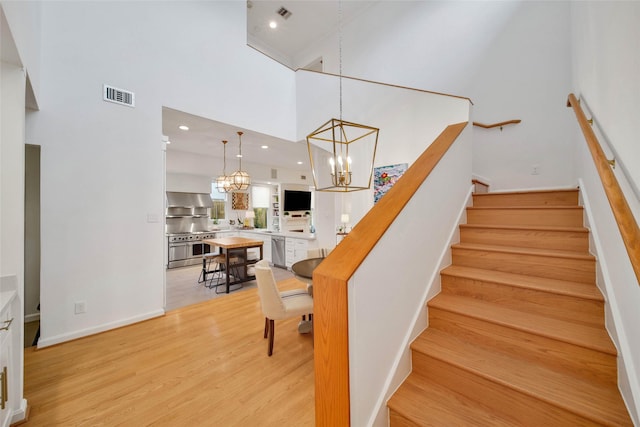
[(331, 278), (621, 211), (499, 124)]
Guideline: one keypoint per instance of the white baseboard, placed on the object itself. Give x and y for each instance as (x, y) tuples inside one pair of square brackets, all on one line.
[(31, 317), (49, 341), (21, 413)]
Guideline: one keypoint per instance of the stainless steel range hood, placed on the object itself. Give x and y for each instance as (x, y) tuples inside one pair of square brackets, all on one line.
[(187, 212), (188, 200)]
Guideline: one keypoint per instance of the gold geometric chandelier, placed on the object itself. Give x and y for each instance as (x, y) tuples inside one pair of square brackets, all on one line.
[(342, 155), (240, 180), (350, 165), (223, 182)]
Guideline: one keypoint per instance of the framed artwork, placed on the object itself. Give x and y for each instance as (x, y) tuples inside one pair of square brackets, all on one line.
[(384, 177), (239, 201)]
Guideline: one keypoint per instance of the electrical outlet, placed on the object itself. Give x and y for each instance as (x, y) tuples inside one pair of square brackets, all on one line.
[(535, 170), (80, 307)]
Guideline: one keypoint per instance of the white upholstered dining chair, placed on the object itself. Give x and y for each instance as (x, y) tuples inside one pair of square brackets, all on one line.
[(278, 305)]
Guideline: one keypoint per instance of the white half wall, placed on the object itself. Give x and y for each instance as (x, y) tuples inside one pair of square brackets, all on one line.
[(388, 292)]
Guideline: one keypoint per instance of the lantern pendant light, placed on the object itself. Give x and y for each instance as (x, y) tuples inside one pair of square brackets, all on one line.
[(350, 166), (223, 182), (240, 180)]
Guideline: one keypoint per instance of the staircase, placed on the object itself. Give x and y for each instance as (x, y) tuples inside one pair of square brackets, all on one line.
[(516, 336)]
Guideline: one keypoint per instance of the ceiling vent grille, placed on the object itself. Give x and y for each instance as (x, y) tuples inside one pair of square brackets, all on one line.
[(119, 96), (274, 173), (284, 12)]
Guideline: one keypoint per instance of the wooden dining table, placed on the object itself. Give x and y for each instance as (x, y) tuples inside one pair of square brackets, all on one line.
[(236, 246)]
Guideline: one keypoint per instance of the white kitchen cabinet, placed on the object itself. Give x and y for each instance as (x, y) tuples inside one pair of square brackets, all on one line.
[(6, 367), (267, 248), (296, 250), (266, 240)]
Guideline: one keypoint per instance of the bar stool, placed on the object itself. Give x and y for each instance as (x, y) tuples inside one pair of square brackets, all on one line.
[(207, 259), (233, 269)]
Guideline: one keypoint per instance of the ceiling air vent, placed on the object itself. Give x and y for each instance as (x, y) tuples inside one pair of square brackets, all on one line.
[(284, 12), (119, 96), (274, 173)]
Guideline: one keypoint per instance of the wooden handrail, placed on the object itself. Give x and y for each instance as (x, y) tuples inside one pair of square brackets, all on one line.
[(330, 279), (621, 210), (387, 84), (499, 124)]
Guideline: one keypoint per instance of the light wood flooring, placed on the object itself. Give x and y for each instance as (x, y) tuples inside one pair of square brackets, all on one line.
[(201, 365), (183, 288)]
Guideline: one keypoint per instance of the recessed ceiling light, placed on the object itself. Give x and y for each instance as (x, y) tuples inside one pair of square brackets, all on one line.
[(264, 147), (299, 163), (273, 24), (238, 155), (183, 127), (168, 142)]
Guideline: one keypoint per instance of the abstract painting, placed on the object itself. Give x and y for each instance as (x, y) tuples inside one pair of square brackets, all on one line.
[(384, 177)]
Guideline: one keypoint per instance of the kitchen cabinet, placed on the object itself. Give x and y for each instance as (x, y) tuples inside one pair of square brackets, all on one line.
[(296, 250), (266, 239), (7, 369)]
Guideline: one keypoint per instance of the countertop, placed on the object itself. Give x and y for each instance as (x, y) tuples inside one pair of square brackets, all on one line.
[(293, 234)]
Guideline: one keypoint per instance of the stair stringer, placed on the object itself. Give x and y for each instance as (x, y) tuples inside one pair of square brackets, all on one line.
[(402, 364), (628, 381)]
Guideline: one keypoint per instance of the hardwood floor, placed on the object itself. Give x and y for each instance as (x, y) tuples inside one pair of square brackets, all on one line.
[(201, 365), (183, 288)]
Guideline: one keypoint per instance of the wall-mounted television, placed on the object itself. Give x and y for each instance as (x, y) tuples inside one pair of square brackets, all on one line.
[(297, 200)]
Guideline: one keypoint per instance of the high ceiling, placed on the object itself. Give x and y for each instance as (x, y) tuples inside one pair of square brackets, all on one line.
[(303, 24), (309, 22)]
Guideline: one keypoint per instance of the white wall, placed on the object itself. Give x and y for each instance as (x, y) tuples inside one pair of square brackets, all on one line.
[(511, 58), (12, 105), (606, 66), (606, 46), (408, 120), (25, 23), (102, 164)]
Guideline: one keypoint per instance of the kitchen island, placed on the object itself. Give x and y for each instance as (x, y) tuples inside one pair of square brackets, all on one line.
[(237, 247)]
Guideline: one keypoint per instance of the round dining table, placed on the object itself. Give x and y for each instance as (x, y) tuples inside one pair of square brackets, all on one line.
[(303, 270)]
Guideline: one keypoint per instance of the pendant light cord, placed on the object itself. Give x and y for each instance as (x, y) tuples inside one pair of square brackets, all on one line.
[(224, 158), (340, 52), (240, 139)]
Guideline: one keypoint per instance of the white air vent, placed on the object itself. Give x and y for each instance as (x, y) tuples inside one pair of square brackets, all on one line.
[(284, 12), (274, 173), (119, 96)]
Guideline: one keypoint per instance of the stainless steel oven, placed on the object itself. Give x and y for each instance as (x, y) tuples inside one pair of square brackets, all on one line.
[(187, 248)]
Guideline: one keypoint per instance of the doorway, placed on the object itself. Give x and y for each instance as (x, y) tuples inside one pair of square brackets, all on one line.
[(31, 244)]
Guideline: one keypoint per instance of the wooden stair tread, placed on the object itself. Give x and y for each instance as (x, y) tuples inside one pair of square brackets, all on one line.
[(527, 227), (555, 286), (525, 207), (582, 335), (597, 402), (526, 192), (525, 251), (427, 403)]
